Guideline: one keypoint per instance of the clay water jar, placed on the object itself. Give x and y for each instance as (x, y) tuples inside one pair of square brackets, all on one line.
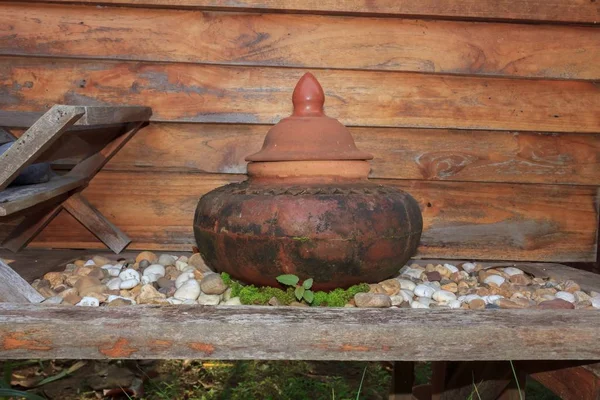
[(308, 208)]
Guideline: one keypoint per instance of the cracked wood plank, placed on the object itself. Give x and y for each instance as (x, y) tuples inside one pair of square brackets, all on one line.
[(283, 40), (399, 153), (582, 11), (15, 289), (252, 332), (261, 95)]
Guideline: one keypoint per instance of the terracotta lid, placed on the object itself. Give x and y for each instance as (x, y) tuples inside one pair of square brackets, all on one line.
[(308, 134)]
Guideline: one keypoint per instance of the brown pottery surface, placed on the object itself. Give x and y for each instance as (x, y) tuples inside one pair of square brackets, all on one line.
[(308, 208)]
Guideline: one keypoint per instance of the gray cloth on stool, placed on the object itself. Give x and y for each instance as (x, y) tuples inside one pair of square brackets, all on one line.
[(32, 174)]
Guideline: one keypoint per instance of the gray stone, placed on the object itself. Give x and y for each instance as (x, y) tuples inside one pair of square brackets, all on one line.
[(213, 284), (166, 259)]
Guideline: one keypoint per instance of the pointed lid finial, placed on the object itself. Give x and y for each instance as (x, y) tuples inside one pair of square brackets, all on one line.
[(308, 97), (308, 134)]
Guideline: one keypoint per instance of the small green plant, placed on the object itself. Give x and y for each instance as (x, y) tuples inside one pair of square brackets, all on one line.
[(302, 292)]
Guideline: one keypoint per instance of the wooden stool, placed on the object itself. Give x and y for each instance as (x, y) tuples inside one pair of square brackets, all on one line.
[(45, 200)]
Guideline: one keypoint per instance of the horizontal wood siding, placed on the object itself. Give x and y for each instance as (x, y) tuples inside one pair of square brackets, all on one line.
[(208, 93), (492, 122), (304, 41), (400, 153), (584, 11), (461, 220)]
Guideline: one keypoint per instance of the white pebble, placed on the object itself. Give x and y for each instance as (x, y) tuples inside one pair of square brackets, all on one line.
[(492, 299), (107, 266), (114, 284), (411, 272), (596, 302), (469, 267), (425, 300), (114, 272), (155, 269), (174, 300), (189, 301), (88, 302), (89, 263), (416, 304), (434, 285), (454, 304), (209, 299), (565, 296), (397, 300), (406, 284), (451, 268), (468, 298), (424, 290), (443, 296), (129, 284), (494, 279), (181, 279), (234, 301), (181, 265), (510, 271), (183, 259), (190, 290), (128, 274), (407, 295)]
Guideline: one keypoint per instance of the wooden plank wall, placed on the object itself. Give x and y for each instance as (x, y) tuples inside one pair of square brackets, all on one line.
[(487, 111)]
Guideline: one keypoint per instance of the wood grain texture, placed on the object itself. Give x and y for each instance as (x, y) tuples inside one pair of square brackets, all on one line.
[(31, 225), (429, 154), (461, 220), (39, 137), (529, 10), (96, 223), (205, 93), (92, 115), (570, 383), (15, 289), (17, 198), (253, 332), (304, 41)]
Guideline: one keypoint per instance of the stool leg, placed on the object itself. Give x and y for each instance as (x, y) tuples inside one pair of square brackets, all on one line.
[(403, 377)]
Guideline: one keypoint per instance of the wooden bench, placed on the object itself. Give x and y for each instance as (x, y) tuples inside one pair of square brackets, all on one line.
[(40, 141), (460, 342)]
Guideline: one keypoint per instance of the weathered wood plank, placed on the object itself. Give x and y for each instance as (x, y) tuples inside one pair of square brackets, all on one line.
[(96, 223), (45, 131), (461, 220), (528, 10), (33, 223), (252, 332), (284, 40), (91, 165), (15, 289), (92, 115), (430, 154), (208, 93), (570, 382), (403, 377), (18, 198)]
